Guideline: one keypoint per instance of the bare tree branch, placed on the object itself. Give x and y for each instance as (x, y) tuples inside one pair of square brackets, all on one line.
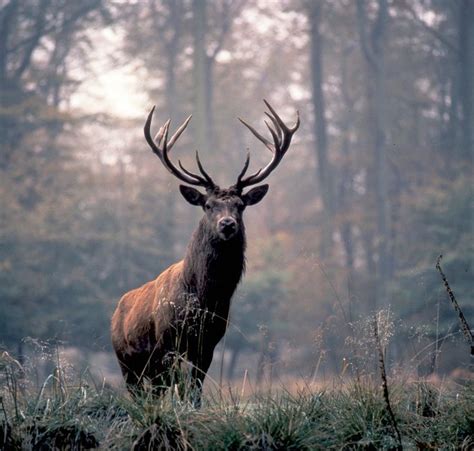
[(37, 35), (433, 31), (229, 10), (364, 40)]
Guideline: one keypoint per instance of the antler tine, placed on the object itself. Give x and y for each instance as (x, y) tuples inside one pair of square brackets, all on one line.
[(156, 150), (201, 169), (265, 141), (206, 180), (275, 115), (297, 122), (281, 134), (276, 126), (161, 146), (280, 121), (191, 174), (275, 137), (178, 132), (244, 170), (159, 135), (165, 139)]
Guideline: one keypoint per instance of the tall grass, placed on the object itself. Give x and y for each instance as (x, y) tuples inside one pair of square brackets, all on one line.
[(69, 411)]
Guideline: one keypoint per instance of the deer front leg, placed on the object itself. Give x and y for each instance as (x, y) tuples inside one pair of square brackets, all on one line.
[(198, 374)]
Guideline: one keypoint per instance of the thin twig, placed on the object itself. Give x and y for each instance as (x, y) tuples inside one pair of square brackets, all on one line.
[(383, 374), (464, 325)]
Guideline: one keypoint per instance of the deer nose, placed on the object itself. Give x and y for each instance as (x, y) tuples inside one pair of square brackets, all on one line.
[(227, 225)]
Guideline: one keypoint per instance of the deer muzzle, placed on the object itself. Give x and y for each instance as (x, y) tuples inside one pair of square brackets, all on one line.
[(227, 227)]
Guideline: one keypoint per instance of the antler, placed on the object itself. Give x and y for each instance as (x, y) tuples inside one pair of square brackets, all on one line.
[(161, 146), (281, 135)]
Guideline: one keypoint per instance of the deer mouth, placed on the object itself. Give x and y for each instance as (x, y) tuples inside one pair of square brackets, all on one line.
[(225, 236)]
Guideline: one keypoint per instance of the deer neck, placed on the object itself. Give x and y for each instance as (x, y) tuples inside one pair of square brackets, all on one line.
[(213, 267)]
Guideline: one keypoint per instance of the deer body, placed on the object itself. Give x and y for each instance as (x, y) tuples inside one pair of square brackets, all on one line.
[(182, 314), (184, 311)]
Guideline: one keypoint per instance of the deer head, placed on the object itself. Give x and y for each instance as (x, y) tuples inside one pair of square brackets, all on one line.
[(223, 208)]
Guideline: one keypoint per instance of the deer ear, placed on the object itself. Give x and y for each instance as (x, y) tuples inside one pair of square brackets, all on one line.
[(193, 196), (255, 195)]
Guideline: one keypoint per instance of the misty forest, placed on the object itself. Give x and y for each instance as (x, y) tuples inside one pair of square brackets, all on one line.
[(376, 186)]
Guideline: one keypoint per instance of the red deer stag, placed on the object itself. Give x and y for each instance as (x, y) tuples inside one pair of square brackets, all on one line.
[(182, 314)]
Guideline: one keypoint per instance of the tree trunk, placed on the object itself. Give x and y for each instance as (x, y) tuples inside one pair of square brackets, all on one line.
[(200, 75), (173, 104), (373, 49), (345, 188), (466, 76), (323, 174), (9, 91), (172, 47), (210, 63), (169, 35)]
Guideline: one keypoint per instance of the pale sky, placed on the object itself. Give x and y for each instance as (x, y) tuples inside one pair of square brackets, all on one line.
[(113, 89)]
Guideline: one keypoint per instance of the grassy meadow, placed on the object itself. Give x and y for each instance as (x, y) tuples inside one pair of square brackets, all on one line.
[(69, 410)]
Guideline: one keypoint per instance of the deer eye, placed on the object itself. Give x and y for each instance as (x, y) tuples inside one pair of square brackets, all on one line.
[(207, 206)]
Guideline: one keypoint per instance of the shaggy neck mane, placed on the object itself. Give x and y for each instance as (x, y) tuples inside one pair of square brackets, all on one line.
[(213, 267)]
